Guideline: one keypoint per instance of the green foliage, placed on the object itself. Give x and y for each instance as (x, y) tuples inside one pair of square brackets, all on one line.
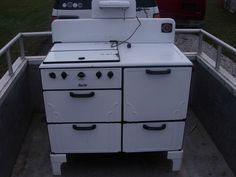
[(220, 22), (23, 15)]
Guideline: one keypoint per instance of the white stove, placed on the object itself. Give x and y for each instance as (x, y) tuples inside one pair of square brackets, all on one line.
[(103, 96)]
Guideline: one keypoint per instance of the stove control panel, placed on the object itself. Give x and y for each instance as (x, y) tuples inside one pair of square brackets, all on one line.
[(84, 78)]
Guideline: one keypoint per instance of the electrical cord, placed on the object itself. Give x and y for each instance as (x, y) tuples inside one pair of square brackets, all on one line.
[(145, 11), (116, 43)]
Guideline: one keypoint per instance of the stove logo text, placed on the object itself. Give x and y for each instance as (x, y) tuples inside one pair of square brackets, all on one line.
[(82, 85)]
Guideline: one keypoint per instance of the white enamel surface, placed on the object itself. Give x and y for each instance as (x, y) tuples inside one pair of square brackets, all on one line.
[(114, 4), (156, 97), (137, 139), (100, 30), (138, 55), (82, 46), (90, 81), (152, 54), (144, 97), (105, 106), (89, 56), (113, 9), (105, 138)]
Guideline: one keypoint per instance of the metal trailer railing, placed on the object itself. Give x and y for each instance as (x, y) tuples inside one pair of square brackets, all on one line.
[(214, 66)]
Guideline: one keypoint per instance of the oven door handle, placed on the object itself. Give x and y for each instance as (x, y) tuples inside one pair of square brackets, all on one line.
[(92, 127), (162, 127), (159, 72), (87, 95)]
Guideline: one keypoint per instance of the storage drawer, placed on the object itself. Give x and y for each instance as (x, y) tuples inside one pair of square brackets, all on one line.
[(152, 94), (145, 137), (85, 138), (83, 106)]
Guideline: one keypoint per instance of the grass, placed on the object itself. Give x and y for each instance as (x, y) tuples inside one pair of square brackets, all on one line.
[(22, 16), (34, 15), (220, 22)]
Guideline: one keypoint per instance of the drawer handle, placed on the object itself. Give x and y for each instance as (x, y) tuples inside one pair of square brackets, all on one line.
[(160, 72), (87, 95), (162, 127), (92, 127)]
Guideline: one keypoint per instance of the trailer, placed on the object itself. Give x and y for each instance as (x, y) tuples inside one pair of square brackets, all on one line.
[(25, 145)]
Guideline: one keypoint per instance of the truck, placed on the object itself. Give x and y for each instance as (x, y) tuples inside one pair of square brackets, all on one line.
[(185, 12)]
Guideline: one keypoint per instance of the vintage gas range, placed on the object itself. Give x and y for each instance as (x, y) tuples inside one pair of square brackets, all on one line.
[(106, 98)]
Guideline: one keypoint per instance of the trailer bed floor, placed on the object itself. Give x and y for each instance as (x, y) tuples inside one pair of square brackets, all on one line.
[(201, 158)]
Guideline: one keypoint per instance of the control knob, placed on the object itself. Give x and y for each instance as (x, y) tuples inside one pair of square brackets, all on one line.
[(64, 75), (110, 74), (81, 75), (52, 75), (99, 74)]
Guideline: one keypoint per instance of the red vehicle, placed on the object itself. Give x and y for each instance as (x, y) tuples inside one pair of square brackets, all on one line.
[(187, 12)]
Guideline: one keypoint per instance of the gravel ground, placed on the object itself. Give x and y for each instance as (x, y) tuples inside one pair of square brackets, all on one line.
[(189, 43)]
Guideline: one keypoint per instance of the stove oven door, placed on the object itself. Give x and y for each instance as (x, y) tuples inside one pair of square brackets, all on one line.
[(83, 106), (154, 94)]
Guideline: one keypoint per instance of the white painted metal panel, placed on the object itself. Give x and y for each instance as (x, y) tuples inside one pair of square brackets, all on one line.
[(100, 30), (138, 139), (82, 46), (155, 97), (87, 56), (113, 9), (145, 54), (72, 81), (153, 54), (104, 138), (103, 106)]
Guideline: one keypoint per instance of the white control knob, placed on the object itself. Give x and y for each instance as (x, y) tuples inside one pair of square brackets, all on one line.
[(69, 4), (80, 5), (64, 5), (75, 5)]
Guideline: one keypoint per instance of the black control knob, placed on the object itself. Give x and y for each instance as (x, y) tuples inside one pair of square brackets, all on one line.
[(64, 75), (52, 75), (81, 75), (99, 74), (110, 74)]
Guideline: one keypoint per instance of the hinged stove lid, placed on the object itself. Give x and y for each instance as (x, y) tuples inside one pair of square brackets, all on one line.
[(83, 46), (82, 56), (82, 53)]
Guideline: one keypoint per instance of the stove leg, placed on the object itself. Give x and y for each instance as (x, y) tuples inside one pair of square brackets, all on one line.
[(176, 157), (56, 162)]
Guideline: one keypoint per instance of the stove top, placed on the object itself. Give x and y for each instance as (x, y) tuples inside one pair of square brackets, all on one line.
[(83, 53)]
